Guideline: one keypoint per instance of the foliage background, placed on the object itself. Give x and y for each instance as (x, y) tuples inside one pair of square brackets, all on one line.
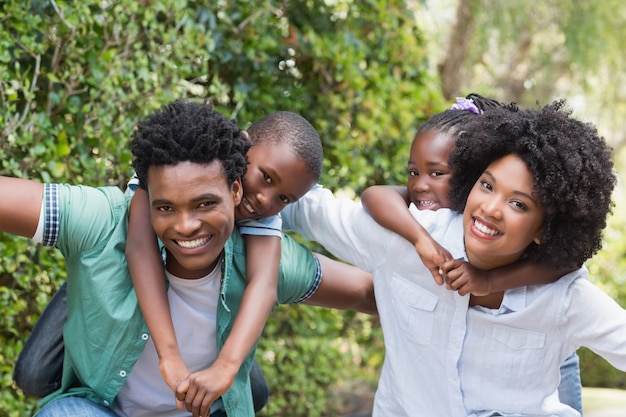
[(76, 76)]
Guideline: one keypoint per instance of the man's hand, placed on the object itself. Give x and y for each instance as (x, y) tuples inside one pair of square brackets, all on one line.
[(466, 279), (200, 389)]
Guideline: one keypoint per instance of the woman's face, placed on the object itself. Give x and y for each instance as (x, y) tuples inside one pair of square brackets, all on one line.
[(503, 215), (428, 183)]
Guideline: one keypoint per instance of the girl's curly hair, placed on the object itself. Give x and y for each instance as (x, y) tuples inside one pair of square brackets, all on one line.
[(572, 168), (188, 131)]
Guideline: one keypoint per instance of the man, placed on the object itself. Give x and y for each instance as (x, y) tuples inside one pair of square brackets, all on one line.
[(190, 158)]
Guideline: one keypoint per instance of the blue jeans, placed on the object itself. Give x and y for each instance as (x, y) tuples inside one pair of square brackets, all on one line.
[(82, 407), (39, 365), (570, 389), (75, 407)]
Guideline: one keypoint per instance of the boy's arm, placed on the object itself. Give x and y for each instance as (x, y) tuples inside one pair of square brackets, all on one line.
[(262, 268), (21, 207), (388, 206), (148, 275)]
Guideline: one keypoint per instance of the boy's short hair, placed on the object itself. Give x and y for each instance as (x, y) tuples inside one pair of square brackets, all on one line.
[(188, 131), (289, 128), (572, 167)]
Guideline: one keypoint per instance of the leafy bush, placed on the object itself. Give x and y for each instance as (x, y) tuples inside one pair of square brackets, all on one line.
[(75, 77)]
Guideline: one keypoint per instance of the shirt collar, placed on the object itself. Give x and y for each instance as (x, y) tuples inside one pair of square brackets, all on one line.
[(514, 300)]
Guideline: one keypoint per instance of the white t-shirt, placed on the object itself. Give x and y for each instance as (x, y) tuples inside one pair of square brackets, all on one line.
[(193, 306)]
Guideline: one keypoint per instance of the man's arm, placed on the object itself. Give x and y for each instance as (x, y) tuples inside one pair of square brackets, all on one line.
[(21, 206)]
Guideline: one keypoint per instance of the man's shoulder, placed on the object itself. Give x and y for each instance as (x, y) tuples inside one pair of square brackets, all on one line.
[(88, 211)]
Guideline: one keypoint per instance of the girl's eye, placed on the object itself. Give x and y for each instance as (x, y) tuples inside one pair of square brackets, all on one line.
[(267, 178), (413, 173), (436, 174), (284, 199)]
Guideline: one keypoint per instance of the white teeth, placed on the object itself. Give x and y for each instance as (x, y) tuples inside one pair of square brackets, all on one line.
[(486, 230), (247, 206), (426, 203), (192, 244)]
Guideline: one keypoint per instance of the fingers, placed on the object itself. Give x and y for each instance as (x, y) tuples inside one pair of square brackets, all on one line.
[(181, 391), (437, 275)]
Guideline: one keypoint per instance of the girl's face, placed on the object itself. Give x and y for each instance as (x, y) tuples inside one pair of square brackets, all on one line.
[(502, 216), (275, 177), (429, 175)]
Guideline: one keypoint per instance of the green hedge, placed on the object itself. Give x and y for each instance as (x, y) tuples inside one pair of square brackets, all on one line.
[(76, 76)]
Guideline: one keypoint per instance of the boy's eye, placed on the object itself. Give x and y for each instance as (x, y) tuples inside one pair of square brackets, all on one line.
[(284, 199), (413, 173), (267, 178), (164, 209), (206, 204)]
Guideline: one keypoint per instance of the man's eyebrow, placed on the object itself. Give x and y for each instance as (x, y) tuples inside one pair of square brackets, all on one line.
[(201, 197)]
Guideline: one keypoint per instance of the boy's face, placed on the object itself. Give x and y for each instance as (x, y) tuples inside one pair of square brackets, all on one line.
[(191, 208), (275, 177), (502, 216), (429, 175)]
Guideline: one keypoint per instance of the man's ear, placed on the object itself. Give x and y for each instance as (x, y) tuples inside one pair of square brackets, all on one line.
[(237, 190)]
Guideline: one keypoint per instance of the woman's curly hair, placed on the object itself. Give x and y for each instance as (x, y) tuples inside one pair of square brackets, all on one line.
[(572, 168), (187, 131)]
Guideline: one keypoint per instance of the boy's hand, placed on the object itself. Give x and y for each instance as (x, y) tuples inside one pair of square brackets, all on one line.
[(200, 389), (466, 279), (174, 372), (433, 255)]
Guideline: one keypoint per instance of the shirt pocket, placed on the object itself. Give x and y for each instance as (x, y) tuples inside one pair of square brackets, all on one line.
[(516, 351), (414, 308)]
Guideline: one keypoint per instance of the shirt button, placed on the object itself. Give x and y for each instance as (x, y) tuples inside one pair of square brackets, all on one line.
[(145, 336), (123, 374), (106, 403)]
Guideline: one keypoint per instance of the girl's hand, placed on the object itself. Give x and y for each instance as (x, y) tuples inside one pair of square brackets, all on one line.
[(433, 255), (466, 279)]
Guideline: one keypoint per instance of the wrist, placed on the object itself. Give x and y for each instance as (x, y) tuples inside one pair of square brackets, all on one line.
[(227, 364)]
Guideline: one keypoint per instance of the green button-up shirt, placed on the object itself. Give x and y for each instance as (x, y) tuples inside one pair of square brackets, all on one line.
[(105, 331)]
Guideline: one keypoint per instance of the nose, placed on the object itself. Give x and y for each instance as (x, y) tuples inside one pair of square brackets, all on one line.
[(187, 224), (492, 206), (263, 199), (420, 183)]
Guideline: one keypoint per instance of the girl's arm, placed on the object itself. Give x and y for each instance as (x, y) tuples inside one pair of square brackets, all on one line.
[(259, 297), (388, 206), (466, 279), (148, 275)]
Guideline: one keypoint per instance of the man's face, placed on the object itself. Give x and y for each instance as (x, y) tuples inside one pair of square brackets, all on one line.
[(192, 212)]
